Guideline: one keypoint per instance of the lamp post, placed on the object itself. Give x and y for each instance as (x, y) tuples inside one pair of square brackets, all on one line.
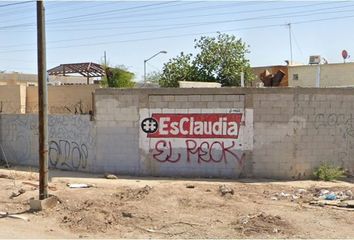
[(145, 61)]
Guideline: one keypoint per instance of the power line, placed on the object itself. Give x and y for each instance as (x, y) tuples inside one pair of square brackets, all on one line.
[(296, 43), (16, 3), (197, 24), (206, 15), (187, 34), (55, 20), (111, 11), (298, 22), (162, 29), (167, 12), (312, 12), (96, 13), (194, 34)]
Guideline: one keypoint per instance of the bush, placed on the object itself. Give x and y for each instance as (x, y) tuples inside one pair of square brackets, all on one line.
[(328, 172)]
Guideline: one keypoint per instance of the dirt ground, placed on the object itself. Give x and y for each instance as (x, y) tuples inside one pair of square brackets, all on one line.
[(170, 208)]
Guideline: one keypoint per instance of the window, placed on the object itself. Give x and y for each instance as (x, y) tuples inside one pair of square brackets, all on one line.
[(295, 76)]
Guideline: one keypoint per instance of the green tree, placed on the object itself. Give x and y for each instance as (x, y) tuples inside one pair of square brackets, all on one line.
[(177, 69), (118, 77), (219, 59), (153, 77)]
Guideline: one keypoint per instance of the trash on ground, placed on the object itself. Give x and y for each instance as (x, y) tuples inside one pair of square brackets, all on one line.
[(330, 196), (15, 216), (79, 185), (18, 193), (110, 176), (127, 214), (223, 189), (190, 186)]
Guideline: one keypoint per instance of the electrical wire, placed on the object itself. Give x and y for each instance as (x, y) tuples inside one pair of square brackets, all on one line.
[(16, 3)]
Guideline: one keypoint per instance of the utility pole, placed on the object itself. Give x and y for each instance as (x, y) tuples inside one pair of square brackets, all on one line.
[(105, 59), (42, 102), (291, 45)]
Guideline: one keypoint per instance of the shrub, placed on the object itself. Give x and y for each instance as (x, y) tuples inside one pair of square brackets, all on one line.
[(328, 172)]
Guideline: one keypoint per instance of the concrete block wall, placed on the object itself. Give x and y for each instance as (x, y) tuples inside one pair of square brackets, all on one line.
[(117, 120), (190, 163), (283, 134), (297, 131), (292, 131), (72, 141)]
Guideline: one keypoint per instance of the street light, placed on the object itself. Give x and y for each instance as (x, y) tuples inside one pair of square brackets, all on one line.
[(145, 61)]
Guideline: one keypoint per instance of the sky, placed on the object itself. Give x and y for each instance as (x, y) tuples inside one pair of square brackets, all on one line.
[(132, 31)]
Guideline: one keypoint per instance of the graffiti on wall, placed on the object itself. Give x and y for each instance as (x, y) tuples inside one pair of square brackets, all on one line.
[(71, 140), (343, 127), (69, 154), (204, 152), (79, 107), (344, 122), (195, 138)]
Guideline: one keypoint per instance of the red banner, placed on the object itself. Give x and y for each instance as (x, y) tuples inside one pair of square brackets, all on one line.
[(205, 125)]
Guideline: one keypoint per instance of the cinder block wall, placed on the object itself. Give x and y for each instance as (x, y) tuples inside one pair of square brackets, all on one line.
[(297, 129), (289, 131), (283, 134), (72, 141)]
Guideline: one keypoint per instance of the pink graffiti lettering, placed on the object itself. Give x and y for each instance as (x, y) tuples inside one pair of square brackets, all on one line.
[(165, 153), (217, 152)]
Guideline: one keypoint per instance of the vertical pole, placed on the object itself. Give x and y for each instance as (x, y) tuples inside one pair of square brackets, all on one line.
[(318, 76), (145, 70), (42, 102), (242, 79), (105, 59), (291, 45)]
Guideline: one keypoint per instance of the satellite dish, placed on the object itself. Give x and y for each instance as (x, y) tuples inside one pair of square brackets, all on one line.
[(345, 55)]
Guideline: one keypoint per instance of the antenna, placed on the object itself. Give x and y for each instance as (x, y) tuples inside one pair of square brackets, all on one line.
[(291, 45)]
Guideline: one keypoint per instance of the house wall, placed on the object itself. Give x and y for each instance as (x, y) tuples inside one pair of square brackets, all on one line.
[(74, 99), (331, 75), (32, 79), (12, 99)]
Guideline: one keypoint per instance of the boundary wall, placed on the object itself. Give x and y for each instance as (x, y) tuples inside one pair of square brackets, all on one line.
[(227, 133), (66, 99)]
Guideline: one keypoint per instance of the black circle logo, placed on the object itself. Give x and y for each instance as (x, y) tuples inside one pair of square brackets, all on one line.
[(149, 125)]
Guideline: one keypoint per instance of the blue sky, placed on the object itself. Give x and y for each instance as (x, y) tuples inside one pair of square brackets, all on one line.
[(131, 31)]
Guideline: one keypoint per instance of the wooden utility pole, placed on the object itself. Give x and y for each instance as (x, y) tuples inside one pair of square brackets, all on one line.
[(42, 102)]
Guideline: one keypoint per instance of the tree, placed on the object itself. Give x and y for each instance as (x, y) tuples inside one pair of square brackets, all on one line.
[(153, 77), (219, 59), (118, 77), (177, 69)]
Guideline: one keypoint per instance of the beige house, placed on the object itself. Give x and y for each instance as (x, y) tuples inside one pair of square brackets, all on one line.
[(27, 79), (321, 75)]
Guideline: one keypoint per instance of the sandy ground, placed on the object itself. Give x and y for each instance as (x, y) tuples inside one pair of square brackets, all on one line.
[(169, 208)]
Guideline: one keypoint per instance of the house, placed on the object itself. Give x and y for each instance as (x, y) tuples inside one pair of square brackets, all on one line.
[(322, 74)]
